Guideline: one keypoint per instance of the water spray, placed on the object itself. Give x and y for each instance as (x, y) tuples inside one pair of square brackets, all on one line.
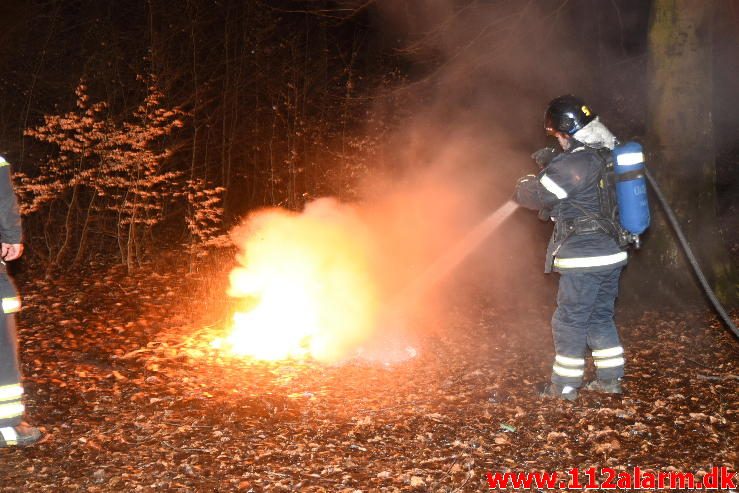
[(445, 264)]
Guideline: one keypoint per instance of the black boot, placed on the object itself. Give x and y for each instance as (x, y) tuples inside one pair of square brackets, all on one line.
[(21, 435), (557, 391), (612, 386)]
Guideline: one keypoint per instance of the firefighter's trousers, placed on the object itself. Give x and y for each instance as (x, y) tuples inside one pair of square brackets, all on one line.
[(11, 391), (584, 319)]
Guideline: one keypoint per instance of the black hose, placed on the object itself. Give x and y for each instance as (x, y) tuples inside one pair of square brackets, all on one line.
[(689, 254)]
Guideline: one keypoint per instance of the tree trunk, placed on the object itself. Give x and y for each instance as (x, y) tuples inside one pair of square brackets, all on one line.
[(680, 140), (78, 258), (69, 226)]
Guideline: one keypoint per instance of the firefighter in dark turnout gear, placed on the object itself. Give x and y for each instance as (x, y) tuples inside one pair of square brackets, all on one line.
[(13, 430), (583, 248)]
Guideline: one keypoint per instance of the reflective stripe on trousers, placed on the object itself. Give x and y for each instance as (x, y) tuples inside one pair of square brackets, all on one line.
[(11, 304), (11, 405), (566, 366), (608, 358)]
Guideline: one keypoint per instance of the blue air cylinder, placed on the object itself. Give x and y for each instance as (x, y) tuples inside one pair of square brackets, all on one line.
[(631, 187)]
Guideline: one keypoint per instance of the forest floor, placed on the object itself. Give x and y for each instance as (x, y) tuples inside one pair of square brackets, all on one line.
[(120, 375)]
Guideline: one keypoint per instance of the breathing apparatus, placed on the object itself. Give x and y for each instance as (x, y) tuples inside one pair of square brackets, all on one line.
[(623, 184), (631, 189)]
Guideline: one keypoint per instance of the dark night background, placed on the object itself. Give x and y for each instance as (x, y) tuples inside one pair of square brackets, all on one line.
[(288, 101), (277, 103)]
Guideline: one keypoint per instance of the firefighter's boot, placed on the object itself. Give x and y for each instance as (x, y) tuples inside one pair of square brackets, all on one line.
[(612, 386), (556, 391), (21, 435)]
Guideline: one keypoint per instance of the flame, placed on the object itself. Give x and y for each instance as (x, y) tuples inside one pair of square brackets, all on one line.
[(343, 280), (304, 285)]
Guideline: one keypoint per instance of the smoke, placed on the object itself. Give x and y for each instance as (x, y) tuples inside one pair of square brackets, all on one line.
[(339, 279), (488, 69), (485, 72), (344, 279)]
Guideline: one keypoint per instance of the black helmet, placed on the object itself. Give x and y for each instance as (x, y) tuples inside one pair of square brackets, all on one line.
[(567, 114)]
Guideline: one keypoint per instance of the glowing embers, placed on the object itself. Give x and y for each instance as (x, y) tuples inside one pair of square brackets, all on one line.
[(304, 285)]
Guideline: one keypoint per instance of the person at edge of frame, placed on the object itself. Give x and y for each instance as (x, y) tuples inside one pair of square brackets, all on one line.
[(14, 431)]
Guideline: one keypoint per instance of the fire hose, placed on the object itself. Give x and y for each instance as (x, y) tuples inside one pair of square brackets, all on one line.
[(672, 219)]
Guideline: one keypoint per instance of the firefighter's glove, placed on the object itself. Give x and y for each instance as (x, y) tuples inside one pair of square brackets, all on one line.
[(543, 157), (522, 183), (525, 179)]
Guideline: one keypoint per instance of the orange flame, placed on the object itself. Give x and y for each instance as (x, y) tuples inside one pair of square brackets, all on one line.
[(305, 284), (342, 280)]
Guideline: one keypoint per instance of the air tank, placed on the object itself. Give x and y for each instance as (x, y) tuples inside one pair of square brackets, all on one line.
[(631, 187)]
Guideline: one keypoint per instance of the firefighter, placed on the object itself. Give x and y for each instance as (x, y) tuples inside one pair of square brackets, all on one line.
[(13, 430), (583, 249)]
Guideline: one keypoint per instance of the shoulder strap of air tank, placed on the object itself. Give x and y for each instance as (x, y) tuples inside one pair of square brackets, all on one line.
[(607, 218)]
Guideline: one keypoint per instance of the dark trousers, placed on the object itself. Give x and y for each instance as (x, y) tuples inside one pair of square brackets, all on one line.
[(11, 391), (584, 319)]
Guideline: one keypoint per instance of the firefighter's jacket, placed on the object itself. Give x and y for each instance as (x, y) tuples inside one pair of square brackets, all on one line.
[(10, 219), (568, 188), (10, 232)]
